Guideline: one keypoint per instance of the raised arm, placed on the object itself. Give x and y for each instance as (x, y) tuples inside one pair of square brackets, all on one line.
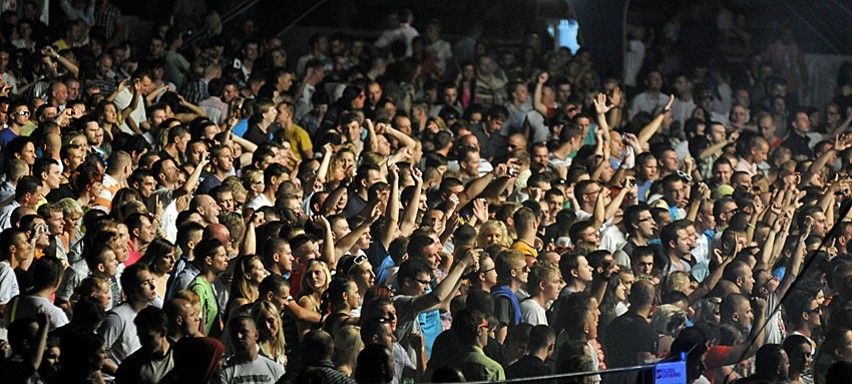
[(346, 242), (392, 211), (192, 180), (327, 252), (649, 130), (539, 85), (444, 289), (409, 216)]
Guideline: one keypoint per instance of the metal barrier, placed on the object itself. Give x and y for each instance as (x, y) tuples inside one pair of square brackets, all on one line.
[(664, 372)]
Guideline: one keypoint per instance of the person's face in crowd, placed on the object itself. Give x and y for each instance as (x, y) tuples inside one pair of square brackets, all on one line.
[(156, 48), (48, 67), (742, 98), (55, 222), (585, 124), (625, 282), (743, 316), (194, 152), (723, 173), (21, 115), (590, 236), (832, 112), (94, 134), (73, 92), (353, 130), (157, 117), (820, 223), (150, 339), (245, 336), (316, 277), (675, 193), (147, 186), (219, 261), (540, 158), (739, 115), (655, 81), (718, 133), (388, 311), (487, 272), (170, 172), (225, 161), (364, 240), (521, 94), (165, 263), (552, 286), (227, 202), (761, 153), (584, 270), (844, 353), (229, 93), (358, 102), (801, 357), (53, 177), (374, 91), (563, 93), (23, 249), (450, 95), (648, 171), (307, 252), (250, 51), (470, 166), (60, 94), (590, 325), (279, 298), (384, 335), (110, 263), (555, 202), (802, 123), (69, 223), (103, 294), (270, 326), (683, 85), (607, 172), (256, 272), (490, 236), (43, 240), (616, 144), (147, 232), (645, 225), (403, 124), (420, 284), (669, 161), (765, 283), (36, 196), (364, 276), (682, 244)]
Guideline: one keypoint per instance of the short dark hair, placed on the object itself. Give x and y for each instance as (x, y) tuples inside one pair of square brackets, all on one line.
[(318, 345), (26, 186), (411, 268), (466, 325), (46, 272), (151, 318)]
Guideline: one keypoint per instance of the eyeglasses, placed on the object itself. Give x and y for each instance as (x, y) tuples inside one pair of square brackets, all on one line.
[(23, 113), (423, 282), (486, 270), (645, 219), (815, 310)]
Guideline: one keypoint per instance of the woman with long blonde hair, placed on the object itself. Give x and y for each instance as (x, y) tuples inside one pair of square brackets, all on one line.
[(315, 281), (248, 273), (493, 232), (271, 342)]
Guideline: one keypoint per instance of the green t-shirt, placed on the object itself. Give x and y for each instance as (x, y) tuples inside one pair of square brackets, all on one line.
[(209, 305)]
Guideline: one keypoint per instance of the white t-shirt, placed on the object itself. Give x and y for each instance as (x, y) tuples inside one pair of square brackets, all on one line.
[(259, 202), (262, 371), (8, 283), (29, 306), (119, 333), (122, 101), (532, 313)]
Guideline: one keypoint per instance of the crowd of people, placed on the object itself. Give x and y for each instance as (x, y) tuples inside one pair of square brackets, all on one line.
[(402, 209)]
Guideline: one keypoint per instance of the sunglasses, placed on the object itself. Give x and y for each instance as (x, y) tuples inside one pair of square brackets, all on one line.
[(23, 113), (360, 259)]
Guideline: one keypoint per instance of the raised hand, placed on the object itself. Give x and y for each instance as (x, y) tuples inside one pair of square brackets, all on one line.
[(543, 77), (668, 107), (480, 210), (600, 104), (452, 202)]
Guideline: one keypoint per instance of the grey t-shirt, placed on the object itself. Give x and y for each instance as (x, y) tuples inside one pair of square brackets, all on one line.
[(261, 371)]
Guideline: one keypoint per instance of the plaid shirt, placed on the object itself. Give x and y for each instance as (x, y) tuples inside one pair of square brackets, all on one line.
[(106, 17), (195, 91)]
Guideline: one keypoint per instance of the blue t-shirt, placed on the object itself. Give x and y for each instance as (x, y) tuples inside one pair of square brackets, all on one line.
[(241, 128), (6, 136)]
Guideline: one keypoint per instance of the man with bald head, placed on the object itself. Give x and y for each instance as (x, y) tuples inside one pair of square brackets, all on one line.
[(205, 206), (219, 232)]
